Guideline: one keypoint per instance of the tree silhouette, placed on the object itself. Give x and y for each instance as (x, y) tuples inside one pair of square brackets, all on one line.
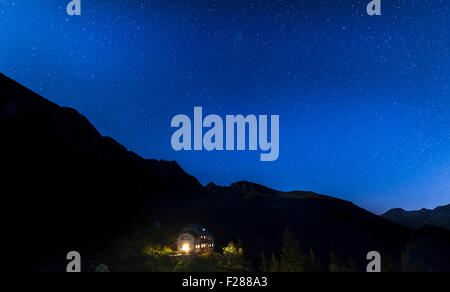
[(274, 264), (233, 258), (314, 263), (293, 259), (265, 264), (336, 263)]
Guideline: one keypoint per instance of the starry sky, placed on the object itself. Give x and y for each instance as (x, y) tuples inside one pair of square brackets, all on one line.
[(364, 102)]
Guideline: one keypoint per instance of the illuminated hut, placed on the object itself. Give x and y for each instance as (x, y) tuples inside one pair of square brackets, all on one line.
[(194, 240)]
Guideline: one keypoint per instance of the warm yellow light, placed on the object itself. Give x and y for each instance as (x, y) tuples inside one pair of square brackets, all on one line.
[(185, 247)]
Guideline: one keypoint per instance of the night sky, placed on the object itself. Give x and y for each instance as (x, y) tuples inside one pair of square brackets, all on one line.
[(364, 102)]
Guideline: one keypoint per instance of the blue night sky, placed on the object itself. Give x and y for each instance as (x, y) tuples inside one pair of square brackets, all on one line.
[(364, 102)]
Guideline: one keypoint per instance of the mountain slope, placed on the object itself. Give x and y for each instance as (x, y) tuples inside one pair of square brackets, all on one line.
[(439, 217), (69, 188), (68, 185), (320, 222)]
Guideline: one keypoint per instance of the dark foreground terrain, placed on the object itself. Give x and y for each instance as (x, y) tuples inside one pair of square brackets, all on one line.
[(66, 188)]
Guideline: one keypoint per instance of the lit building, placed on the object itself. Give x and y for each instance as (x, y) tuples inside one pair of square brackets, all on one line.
[(194, 240)]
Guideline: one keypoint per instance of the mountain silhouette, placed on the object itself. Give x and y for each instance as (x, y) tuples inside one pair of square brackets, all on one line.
[(69, 188), (439, 216)]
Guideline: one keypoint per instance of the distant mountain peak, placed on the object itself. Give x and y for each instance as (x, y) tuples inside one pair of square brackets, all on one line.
[(250, 190), (439, 216)]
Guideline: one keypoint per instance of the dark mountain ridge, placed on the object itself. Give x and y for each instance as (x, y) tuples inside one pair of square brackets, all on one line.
[(439, 216), (70, 186), (72, 189), (251, 190)]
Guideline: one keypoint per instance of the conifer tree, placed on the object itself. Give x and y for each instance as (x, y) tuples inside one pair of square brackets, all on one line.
[(265, 265), (274, 264), (293, 259), (314, 264), (233, 258), (336, 265)]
